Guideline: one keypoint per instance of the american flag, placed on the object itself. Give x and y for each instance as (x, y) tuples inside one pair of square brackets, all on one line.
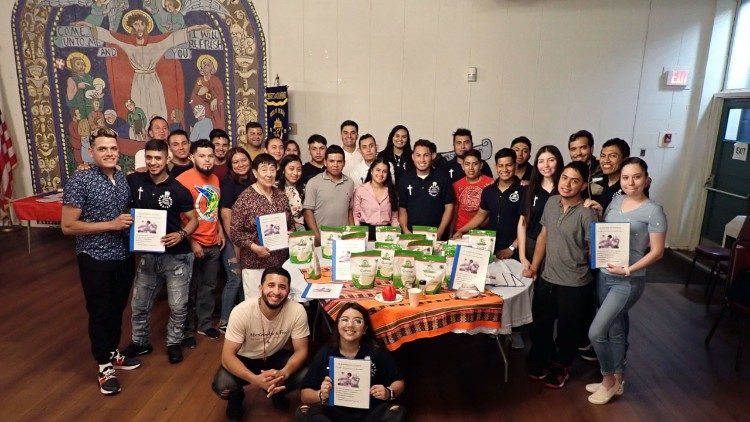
[(8, 162)]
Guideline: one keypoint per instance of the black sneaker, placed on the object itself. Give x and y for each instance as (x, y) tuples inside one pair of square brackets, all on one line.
[(556, 377), (589, 355), (108, 383), (588, 346), (188, 342), (280, 402), (537, 372), (174, 352), (234, 405), (211, 333), (119, 361), (223, 327), (134, 349)]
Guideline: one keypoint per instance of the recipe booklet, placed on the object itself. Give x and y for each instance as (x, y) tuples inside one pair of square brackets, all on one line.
[(342, 251), (469, 267), (322, 291), (272, 231), (351, 382), (610, 243), (148, 227)]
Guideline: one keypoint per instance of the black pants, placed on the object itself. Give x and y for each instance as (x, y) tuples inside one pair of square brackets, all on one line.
[(392, 412), (106, 287), (227, 384), (565, 304)]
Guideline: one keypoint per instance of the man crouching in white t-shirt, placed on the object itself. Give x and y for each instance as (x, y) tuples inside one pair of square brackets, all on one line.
[(254, 346)]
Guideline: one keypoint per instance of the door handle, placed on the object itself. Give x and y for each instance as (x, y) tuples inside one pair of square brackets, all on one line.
[(723, 192)]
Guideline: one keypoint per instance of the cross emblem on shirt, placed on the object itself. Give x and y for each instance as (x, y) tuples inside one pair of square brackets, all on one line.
[(140, 191), (409, 188), (535, 198), (451, 173)]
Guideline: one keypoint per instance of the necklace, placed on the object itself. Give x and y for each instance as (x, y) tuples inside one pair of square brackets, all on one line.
[(262, 330), (263, 192)]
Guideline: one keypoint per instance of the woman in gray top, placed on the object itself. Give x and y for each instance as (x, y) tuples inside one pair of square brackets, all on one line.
[(619, 286)]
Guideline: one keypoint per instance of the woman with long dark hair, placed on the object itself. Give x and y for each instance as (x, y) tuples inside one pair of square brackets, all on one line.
[(237, 179), (397, 151), (374, 203), (548, 166), (354, 338), (290, 182)]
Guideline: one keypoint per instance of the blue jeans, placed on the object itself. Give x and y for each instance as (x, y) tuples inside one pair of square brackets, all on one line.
[(153, 271), (609, 332), (233, 288)]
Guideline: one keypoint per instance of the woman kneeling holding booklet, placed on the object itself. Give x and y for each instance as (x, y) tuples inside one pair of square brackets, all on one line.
[(353, 346)]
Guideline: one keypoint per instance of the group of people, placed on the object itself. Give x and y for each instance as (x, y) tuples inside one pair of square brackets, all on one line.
[(212, 192)]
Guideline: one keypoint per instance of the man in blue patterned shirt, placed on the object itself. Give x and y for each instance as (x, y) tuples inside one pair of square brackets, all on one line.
[(95, 210)]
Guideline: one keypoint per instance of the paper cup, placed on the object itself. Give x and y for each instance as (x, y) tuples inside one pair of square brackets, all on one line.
[(414, 295)]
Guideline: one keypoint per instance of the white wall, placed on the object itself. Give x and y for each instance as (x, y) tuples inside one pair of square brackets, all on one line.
[(546, 69)]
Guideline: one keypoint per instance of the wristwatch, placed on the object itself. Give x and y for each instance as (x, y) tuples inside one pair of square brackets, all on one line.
[(512, 248), (392, 396)]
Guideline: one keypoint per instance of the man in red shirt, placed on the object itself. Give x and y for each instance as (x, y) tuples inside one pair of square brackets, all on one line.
[(468, 190)]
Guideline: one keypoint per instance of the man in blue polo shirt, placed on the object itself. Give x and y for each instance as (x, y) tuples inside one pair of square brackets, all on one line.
[(157, 190), (500, 205), (425, 196), (95, 210)]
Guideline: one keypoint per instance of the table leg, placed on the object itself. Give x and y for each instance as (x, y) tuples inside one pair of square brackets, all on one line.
[(502, 353), (28, 235), (320, 312)]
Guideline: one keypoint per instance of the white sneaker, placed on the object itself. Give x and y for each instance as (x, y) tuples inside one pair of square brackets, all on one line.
[(591, 388), (516, 341), (603, 395)]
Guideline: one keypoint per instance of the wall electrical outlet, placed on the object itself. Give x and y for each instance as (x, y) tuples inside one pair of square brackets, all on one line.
[(666, 140)]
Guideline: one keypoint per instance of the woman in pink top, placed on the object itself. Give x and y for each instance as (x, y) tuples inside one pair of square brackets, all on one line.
[(374, 202)]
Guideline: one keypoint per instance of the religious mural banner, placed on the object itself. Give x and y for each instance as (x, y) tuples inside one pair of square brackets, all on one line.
[(277, 112), (88, 64)]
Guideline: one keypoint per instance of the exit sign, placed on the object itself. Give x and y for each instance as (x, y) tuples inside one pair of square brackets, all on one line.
[(677, 77)]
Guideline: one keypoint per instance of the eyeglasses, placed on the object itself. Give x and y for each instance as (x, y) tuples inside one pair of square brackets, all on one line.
[(355, 321)]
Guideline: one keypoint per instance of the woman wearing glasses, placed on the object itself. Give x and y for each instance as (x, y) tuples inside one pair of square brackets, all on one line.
[(354, 338)]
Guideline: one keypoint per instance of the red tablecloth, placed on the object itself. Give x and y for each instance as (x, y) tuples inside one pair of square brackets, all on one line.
[(39, 207), (436, 314)]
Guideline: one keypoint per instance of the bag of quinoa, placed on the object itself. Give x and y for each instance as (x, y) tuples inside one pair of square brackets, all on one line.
[(327, 234), (405, 238), (364, 267), (404, 273), (483, 239), (431, 269), (387, 234), (387, 254), (301, 247), (424, 246)]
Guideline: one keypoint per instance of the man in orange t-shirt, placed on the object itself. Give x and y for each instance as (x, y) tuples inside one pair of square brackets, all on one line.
[(206, 241), (468, 190)]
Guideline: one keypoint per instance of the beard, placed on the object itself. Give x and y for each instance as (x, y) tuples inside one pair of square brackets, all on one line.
[(206, 172), (272, 306)]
